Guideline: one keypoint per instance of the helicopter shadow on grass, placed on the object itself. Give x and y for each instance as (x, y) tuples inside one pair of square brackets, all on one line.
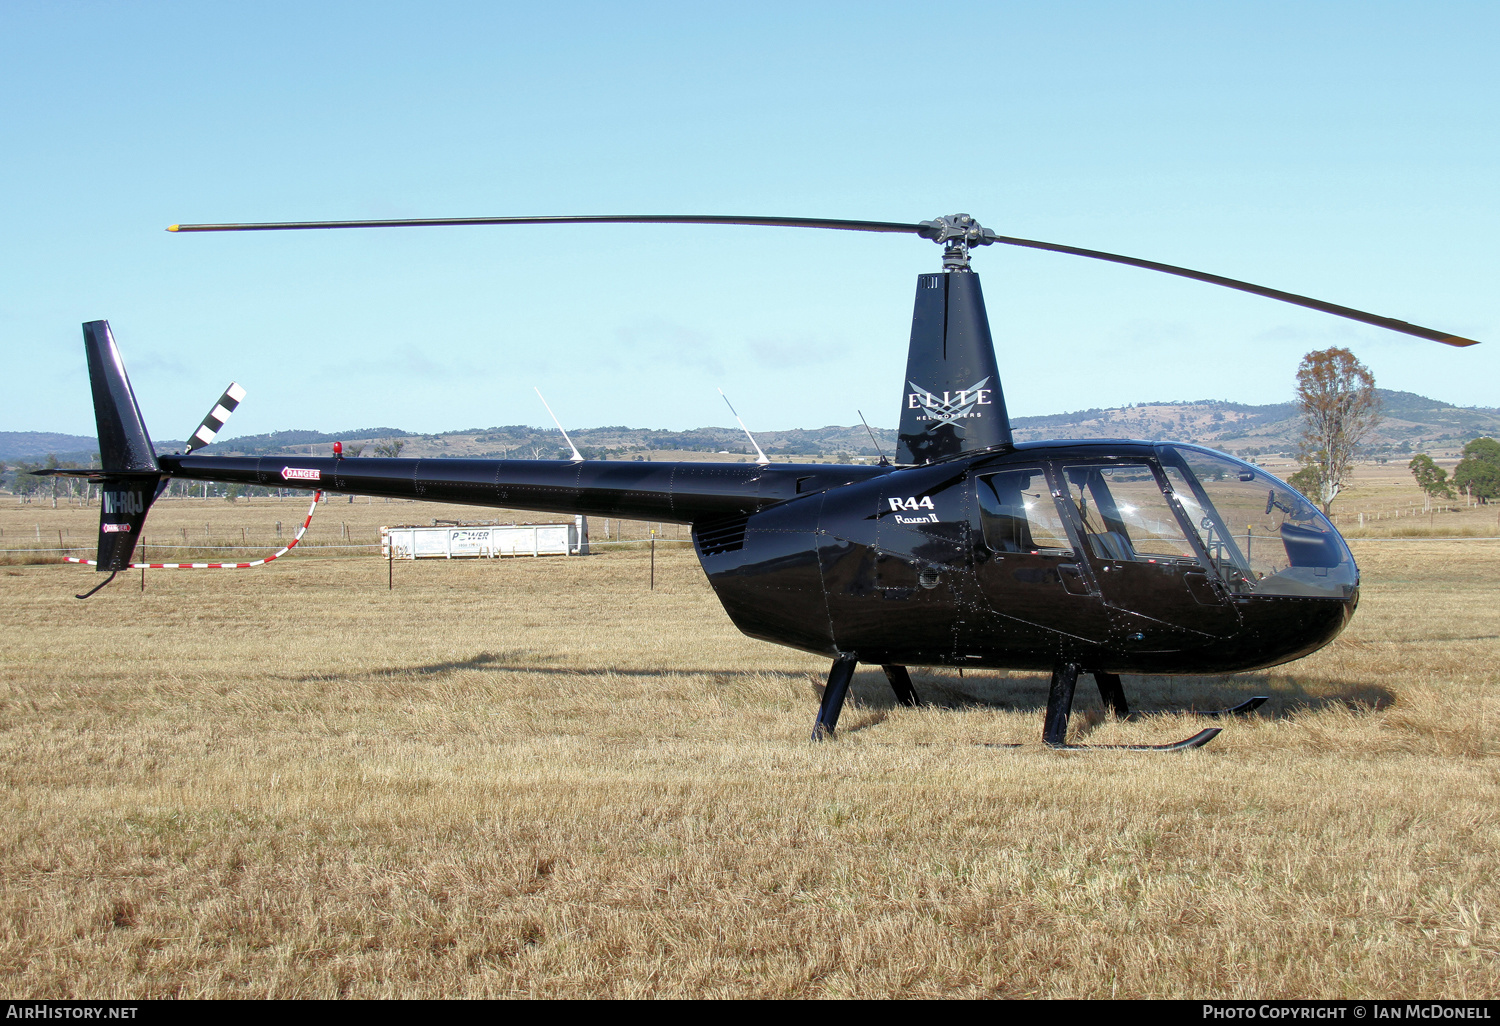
[(943, 688), (527, 661), (1148, 695)]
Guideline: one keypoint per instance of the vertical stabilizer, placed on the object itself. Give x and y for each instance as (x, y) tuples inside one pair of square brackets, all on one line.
[(952, 402), (130, 477), (124, 444)]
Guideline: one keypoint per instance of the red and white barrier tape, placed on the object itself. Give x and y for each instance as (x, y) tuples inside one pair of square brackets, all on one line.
[(217, 566)]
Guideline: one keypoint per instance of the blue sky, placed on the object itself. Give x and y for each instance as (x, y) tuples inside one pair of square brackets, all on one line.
[(1341, 150)]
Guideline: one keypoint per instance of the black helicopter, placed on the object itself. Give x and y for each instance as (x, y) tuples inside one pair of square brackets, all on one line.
[(1098, 556)]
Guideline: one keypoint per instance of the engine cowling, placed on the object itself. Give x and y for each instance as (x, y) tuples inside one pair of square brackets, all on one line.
[(876, 568)]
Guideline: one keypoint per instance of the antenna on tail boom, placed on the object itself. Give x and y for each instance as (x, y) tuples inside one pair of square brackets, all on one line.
[(577, 456), (883, 461), (762, 459)]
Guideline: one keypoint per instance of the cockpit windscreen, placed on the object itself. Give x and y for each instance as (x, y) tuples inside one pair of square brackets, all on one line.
[(1261, 535)]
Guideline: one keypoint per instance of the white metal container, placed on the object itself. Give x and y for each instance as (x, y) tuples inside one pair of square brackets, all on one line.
[(485, 541)]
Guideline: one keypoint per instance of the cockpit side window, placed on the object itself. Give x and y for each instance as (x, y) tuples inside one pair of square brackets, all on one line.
[(1018, 515), (1124, 514)]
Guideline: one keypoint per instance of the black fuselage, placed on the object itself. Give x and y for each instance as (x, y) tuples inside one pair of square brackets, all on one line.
[(894, 565)]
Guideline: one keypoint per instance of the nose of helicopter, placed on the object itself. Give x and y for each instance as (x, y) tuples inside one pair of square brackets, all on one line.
[(1281, 629)]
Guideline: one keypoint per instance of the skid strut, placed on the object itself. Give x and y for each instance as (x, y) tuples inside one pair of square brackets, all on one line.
[(1059, 705), (834, 694), (1112, 693), (901, 685)]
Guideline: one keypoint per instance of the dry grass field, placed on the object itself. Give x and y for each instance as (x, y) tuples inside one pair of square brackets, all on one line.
[(538, 778)]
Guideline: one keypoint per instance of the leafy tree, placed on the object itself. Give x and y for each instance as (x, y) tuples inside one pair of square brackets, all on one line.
[(1478, 473), (1306, 481), (1336, 394), (390, 448), (1431, 478)]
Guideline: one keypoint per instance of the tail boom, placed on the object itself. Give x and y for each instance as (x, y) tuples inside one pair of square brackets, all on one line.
[(684, 493)]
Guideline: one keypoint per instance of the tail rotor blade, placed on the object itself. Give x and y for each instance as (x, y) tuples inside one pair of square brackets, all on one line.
[(216, 419)]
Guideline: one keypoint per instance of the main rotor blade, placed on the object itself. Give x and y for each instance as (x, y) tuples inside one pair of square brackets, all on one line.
[(1245, 286), (978, 236), (427, 222)]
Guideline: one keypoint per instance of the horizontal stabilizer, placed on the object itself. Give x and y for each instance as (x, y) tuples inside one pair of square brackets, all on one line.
[(95, 474)]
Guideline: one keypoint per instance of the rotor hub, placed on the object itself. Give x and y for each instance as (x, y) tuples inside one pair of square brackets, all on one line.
[(957, 234)]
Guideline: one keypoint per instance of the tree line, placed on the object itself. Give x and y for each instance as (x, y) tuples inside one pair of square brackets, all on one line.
[(1477, 475)]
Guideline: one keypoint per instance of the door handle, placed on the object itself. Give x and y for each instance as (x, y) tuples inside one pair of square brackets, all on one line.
[(1074, 581)]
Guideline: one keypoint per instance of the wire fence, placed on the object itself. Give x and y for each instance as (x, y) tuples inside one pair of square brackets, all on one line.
[(190, 552), (53, 544)]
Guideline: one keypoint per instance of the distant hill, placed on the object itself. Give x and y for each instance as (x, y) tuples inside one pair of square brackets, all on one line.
[(38, 445), (1412, 423), (292, 441), (520, 441)]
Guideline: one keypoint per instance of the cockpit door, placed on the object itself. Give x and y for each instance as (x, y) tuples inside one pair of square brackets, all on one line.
[(1026, 562), (1147, 570)]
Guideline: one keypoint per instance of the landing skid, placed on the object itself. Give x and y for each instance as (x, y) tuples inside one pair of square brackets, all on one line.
[(1112, 694), (1198, 740), (1245, 708), (1059, 706)]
